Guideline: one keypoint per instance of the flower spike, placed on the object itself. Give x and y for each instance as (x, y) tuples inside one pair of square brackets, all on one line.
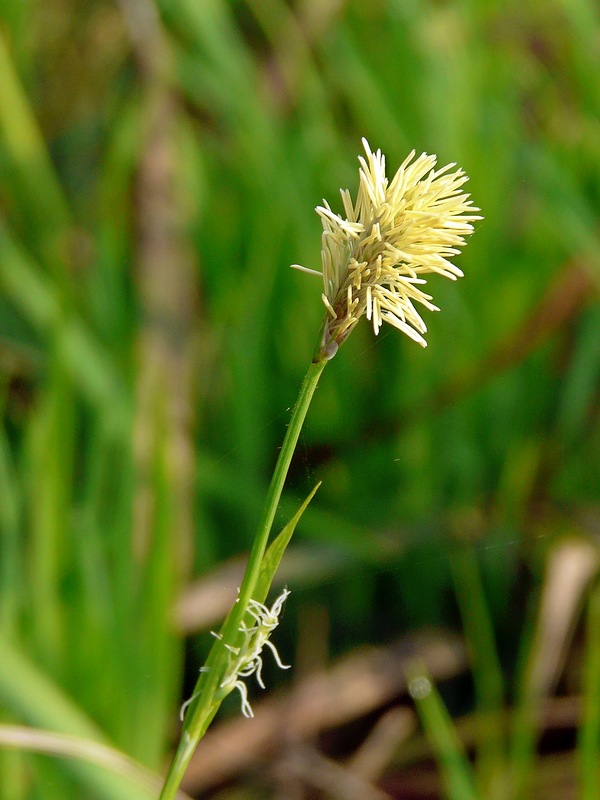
[(395, 232), (246, 660)]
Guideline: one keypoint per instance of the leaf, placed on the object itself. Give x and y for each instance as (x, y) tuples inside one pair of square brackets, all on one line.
[(453, 763), (275, 551), (33, 696)]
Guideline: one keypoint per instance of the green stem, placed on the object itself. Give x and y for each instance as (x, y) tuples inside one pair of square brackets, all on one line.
[(208, 699)]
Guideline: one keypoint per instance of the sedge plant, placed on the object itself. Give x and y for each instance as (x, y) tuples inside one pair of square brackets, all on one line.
[(374, 258)]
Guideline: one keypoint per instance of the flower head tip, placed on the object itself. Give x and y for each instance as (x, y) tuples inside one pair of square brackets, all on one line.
[(374, 257)]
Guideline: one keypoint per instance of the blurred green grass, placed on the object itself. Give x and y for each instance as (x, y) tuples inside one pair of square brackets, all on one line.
[(159, 166)]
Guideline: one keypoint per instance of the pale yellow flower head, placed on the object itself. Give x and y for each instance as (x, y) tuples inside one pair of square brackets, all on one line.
[(375, 257)]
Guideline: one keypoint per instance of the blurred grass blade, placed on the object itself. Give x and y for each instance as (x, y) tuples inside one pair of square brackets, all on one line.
[(50, 458), (456, 771), (11, 578), (487, 671), (581, 381), (34, 294), (44, 206), (363, 91), (274, 554), (525, 719), (211, 26), (145, 783), (589, 734), (32, 696)]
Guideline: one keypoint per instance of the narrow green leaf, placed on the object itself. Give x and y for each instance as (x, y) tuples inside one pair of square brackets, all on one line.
[(274, 554), (455, 768), (487, 671)]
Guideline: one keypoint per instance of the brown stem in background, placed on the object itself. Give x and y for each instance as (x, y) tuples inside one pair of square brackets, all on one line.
[(167, 292)]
